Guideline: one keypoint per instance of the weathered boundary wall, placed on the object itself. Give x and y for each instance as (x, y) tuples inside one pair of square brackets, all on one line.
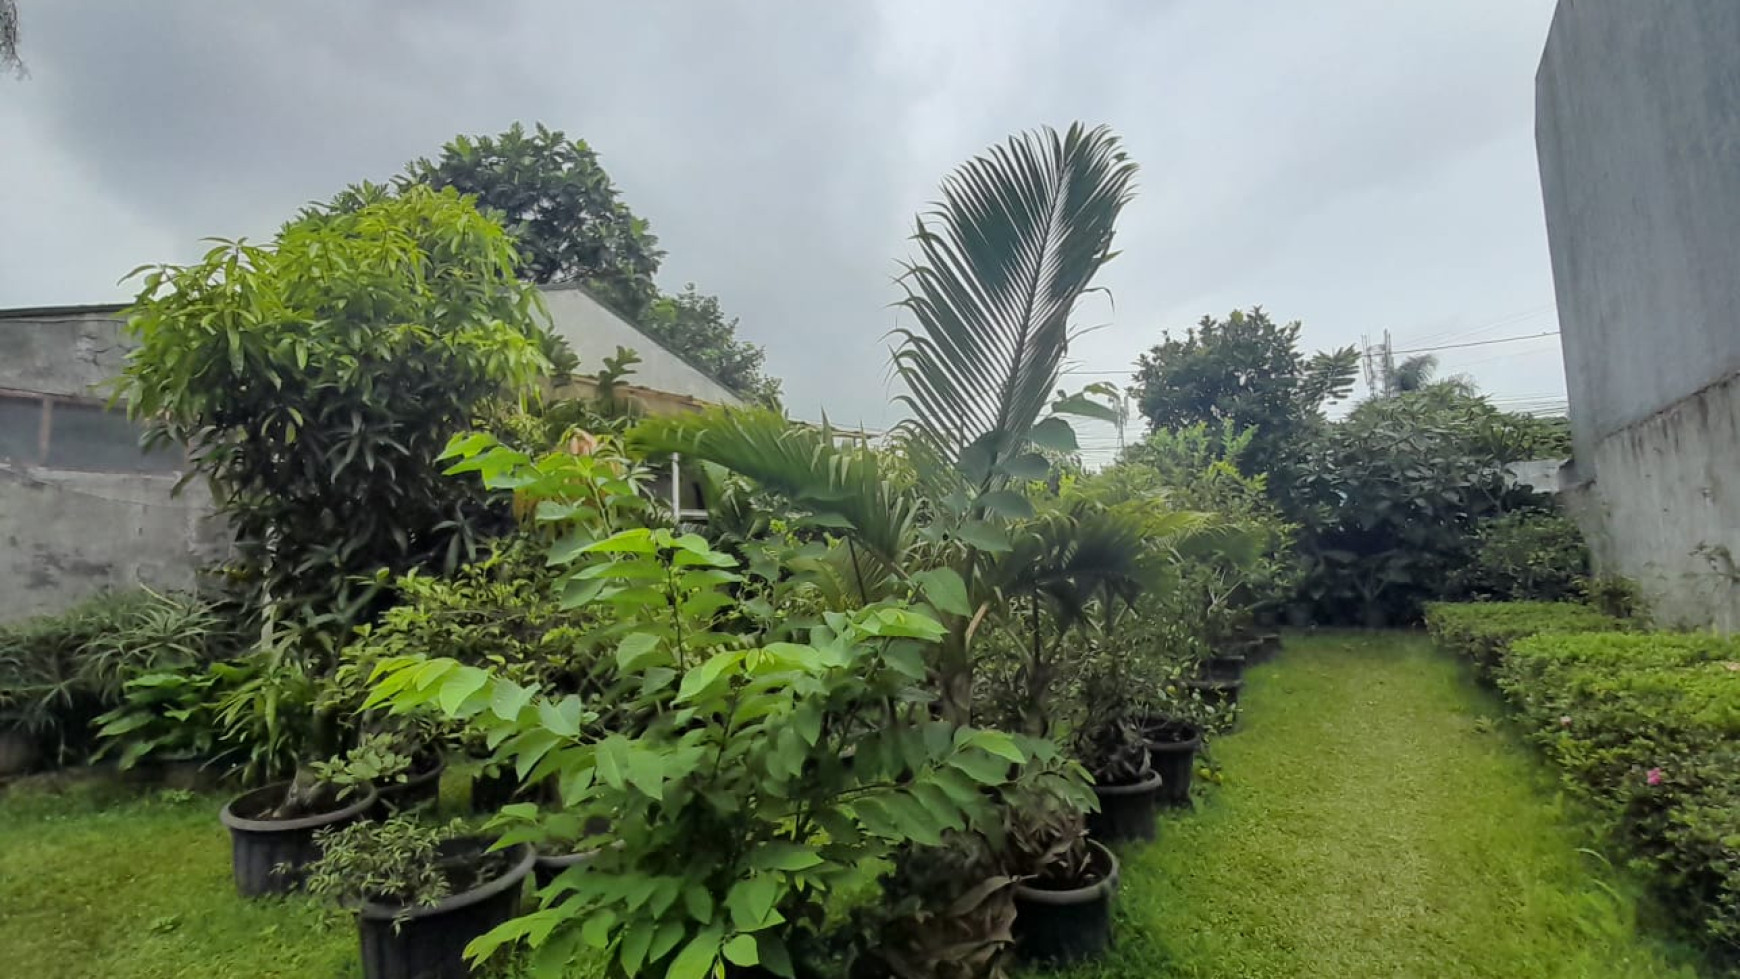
[(1638, 132)]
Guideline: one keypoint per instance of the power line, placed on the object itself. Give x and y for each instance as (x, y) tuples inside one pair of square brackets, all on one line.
[(1478, 343)]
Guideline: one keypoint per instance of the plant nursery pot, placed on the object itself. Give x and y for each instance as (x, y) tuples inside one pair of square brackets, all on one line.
[(1172, 748), (17, 753), (1059, 927), (1263, 649), (259, 846), (421, 786), (429, 942), (1226, 666), (1127, 812), (490, 792)]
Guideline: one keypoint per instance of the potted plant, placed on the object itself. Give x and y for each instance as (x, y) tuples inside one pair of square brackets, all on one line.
[(421, 893), (1125, 782), (272, 828), (1063, 902), (1172, 748)]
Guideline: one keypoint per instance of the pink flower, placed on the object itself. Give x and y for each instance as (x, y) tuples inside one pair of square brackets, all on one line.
[(1564, 720), (1653, 777)]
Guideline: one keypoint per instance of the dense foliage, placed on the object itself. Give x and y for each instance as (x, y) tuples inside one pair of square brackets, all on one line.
[(1245, 370), (315, 380), (59, 673), (1391, 500), (1648, 728)]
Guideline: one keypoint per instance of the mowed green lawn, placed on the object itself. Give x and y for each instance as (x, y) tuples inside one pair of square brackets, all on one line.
[(95, 884), (1375, 821)]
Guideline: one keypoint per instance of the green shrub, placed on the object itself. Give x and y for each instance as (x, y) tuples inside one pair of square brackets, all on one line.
[(1647, 727), (58, 673), (1482, 631), (1528, 555)]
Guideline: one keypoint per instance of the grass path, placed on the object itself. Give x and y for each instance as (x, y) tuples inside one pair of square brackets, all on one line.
[(1375, 821)]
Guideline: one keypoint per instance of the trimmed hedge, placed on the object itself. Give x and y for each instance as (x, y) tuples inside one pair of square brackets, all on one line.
[(1646, 726), (1482, 631)]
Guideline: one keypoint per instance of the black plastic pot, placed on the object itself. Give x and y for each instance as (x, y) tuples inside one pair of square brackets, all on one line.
[(1172, 748), (1226, 666), (429, 942), (259, 847), (418, 788), (1127, 812), (490, 792), (1062, 927)]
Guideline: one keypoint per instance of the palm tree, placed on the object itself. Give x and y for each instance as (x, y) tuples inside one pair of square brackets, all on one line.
[(1413, 374), (1003, 257)]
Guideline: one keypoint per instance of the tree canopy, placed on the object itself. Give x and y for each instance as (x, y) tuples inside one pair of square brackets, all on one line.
[(570, 224), (1245, 369)]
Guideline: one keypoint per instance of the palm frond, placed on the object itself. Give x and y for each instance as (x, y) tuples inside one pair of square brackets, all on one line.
[(840, 487), (1069, 559), (1004, 256)]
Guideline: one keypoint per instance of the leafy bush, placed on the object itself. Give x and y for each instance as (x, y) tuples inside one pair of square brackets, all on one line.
[(1390, 498), (748, 781), (1647, 726), (315, 380), (1529, 555), (59, 673), (1483, 631), (397, 861)]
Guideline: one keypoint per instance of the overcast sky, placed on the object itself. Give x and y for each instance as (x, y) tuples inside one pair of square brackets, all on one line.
[(1355, 164)]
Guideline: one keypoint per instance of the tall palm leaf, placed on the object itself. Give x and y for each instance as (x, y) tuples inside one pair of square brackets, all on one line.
[(1004, 256)]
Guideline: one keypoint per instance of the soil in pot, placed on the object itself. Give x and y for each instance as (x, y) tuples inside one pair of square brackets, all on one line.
[(422, 785), (400, 942), (1060, 927), (1172, 748), (268, 855), (1127, 812)]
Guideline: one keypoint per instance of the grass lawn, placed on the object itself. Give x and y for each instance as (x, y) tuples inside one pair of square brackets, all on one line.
[(94, 883), (1375, 821)]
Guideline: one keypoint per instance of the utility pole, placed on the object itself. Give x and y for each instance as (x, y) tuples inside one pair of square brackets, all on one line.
[(1380, 365)]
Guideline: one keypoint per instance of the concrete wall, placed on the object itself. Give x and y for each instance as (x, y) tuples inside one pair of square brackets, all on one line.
[(100, 519), (1638, 131)]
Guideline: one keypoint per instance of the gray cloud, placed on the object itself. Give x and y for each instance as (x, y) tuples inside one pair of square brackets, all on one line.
[(1358, 164)]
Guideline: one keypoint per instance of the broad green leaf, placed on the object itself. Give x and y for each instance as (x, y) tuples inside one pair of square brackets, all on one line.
[(699, 902), (697, 958), (1007, 504), (991, 540), (743, 950), (751, 901), (1027, 467), (460, 686), (780, 855), (1055, 434), (997, 743), (702, 677), (943, 588)]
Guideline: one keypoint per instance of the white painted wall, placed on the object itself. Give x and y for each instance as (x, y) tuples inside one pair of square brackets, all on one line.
[(595, 331)]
